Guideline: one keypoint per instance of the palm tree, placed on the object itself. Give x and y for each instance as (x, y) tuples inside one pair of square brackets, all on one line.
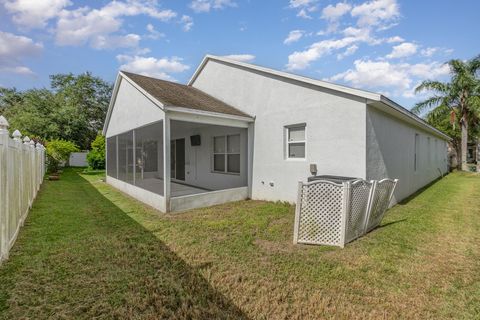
[(461, 96)]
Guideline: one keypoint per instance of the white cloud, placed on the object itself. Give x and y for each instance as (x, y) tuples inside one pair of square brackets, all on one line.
[(301, 59), (301, 3), (153, 33), (93, 26), (403, 50), (304, 7), (428, 52), (303, 14), (241, 57), (200, 6), (400, 77), (370, 16), (34, 13), (348, 52), (395, 39), (293, 36), (13, 48), (187, 22), (331, 12), (149, 66), (109, 42), (376, 13)]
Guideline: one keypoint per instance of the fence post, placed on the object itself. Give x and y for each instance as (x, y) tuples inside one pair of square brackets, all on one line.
[(28, 171), (371, 197), (17, 137), (4, 239), (347, 188), (297, 212), (32, 170)]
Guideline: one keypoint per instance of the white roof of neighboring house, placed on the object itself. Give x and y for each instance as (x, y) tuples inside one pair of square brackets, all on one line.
[(374, 99)]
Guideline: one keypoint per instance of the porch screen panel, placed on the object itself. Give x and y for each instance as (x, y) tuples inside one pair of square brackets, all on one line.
[(149, 157), (112, 157), (125, 157)]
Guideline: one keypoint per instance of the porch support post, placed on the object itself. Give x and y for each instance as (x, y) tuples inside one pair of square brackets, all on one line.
[(250, 150), (166, 161)]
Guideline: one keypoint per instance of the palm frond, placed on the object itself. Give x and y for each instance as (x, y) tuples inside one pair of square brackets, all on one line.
[(458, 67), (474, 65), (429, 85), (428, 104), (439, 112)]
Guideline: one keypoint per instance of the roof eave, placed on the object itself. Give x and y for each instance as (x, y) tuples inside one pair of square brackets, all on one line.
[(111, 103), (208, 113), (418, 121), (319, 83)]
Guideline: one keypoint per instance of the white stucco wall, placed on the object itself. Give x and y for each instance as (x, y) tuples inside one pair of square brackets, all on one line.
[(391, 153), (152, 199), (335, 127), (198, 159), (131, 110)]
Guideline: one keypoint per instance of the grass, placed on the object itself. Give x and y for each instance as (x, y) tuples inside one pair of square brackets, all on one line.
[(89, 251)]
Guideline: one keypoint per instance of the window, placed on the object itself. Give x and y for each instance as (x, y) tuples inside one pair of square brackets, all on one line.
[(226, 154), (296, 140)]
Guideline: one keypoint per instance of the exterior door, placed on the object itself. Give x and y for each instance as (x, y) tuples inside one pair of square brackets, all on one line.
[(177, 159)]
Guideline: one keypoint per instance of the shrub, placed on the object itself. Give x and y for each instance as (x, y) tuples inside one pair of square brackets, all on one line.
[(58, 152), (96, 156)]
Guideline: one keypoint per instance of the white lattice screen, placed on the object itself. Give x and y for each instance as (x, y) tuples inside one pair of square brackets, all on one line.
[(336, 213)]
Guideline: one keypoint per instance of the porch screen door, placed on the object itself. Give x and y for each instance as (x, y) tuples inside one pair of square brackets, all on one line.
[(177, 159)]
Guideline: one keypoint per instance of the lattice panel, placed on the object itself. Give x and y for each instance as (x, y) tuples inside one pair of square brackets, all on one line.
[(381, 201), (320, 220), (358, 204)]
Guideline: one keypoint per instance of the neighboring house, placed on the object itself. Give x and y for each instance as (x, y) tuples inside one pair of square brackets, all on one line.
[(78, 159), (473, 154), (240, 131)]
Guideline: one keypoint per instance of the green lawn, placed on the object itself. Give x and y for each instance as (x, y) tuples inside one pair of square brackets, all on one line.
[(88, 251)]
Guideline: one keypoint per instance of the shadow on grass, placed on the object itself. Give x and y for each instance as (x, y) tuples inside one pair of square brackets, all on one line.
[(419, 191), (390, 223), (80, 256)]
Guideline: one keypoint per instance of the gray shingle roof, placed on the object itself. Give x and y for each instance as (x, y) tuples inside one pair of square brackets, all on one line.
[(179, 95)]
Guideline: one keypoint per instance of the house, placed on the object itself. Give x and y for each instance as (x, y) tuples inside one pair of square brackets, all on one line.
[(239, 131)]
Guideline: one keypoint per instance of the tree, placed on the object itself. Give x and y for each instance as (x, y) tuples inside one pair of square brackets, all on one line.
[(460, 96), (96, 156), (58, 151), (73, 110)]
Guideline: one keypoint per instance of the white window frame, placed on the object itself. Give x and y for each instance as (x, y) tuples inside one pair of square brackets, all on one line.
[(287, 142), (226, 154)]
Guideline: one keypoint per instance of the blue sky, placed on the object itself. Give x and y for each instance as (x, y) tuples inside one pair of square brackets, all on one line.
[(386, 46)]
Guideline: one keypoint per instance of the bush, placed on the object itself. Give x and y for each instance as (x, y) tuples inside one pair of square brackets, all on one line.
[(58, 152), (96, 156)]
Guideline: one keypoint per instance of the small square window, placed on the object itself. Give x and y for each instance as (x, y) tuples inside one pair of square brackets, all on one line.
[(296, 141), (226, 154), (233, 163)]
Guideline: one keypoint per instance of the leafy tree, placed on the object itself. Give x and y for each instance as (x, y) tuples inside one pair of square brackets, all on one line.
[(96, 156), (73, 110), (58, 151), (460, 98), (443, 119)]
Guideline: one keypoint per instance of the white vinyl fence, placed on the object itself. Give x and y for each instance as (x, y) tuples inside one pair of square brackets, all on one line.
[(334, 214), (22, 167)]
